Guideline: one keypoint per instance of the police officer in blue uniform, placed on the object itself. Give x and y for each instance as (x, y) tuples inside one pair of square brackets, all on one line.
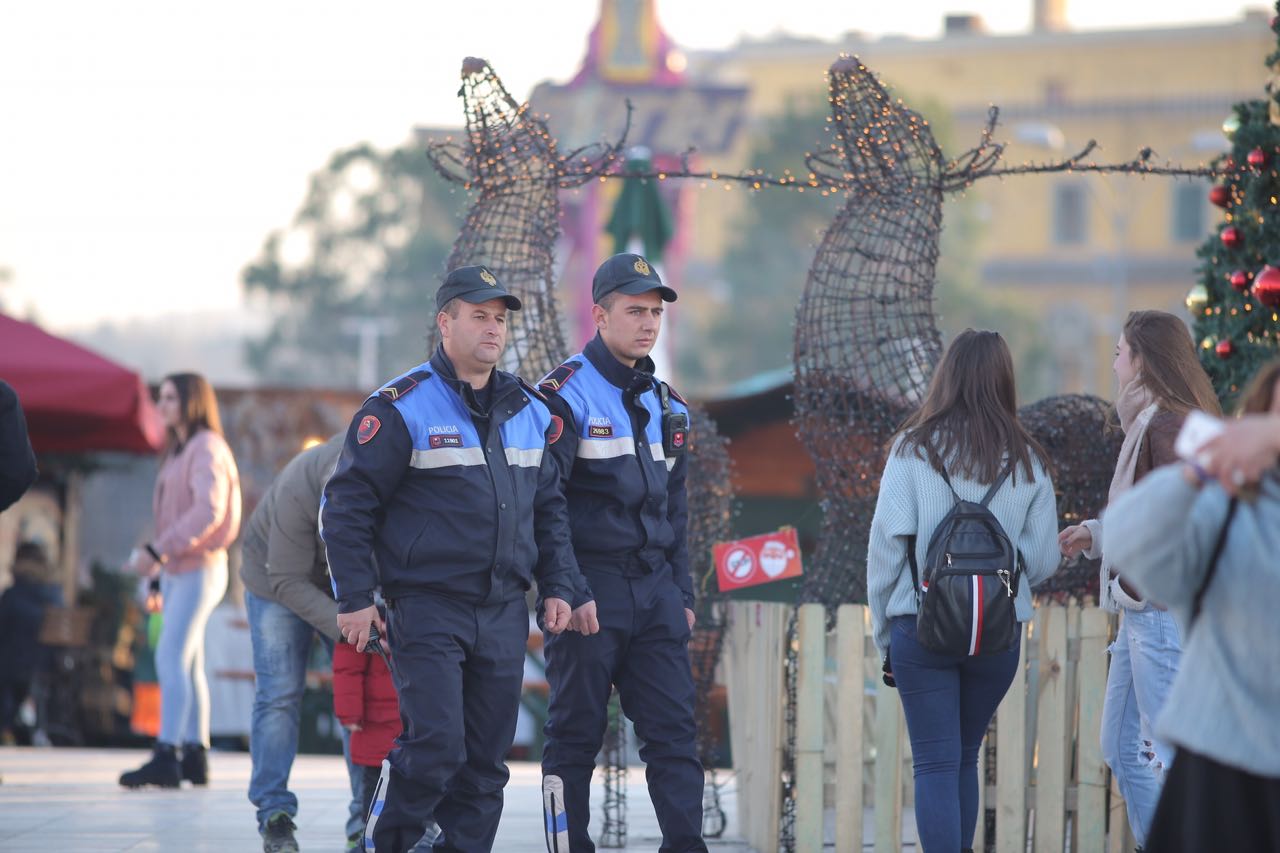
[(622, 456), (446, 497)]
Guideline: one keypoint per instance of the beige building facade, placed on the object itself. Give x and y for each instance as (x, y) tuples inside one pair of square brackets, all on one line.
[(1076, 251)]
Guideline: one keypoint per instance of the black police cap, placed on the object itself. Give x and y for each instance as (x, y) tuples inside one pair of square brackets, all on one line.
[(630, 274), (474, 284)]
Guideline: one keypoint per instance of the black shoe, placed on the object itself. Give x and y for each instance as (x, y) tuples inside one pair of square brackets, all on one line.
[(163, 770), (195, 764), (277, 835)]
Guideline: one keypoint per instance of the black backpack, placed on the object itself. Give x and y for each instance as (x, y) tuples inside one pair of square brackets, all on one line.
[(971, 575)]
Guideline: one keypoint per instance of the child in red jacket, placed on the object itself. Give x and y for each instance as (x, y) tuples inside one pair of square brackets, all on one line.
[(364, 700)]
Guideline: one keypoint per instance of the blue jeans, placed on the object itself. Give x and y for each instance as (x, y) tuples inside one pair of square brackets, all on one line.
[(949, 701), (281, 645), (189, 599), (1144, 661)]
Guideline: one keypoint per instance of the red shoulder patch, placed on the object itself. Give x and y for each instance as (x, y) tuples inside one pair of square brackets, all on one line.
[(369, 426), (555, 430)]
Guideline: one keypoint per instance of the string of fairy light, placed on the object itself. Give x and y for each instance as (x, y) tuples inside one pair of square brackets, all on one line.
[(608, 162), (759, 179)]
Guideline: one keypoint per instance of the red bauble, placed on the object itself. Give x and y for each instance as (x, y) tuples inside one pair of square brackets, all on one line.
[(1257, 158), (1220, 195), (1266, 286), (1231, 237), (1225, 348), (1240, 280)]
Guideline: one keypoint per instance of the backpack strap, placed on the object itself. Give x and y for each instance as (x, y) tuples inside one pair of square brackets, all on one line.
[(995, 487), (1213, 564), (915, 570), (935, 461)]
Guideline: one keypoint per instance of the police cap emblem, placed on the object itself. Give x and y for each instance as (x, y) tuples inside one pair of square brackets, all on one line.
[(641, 266), (487, 278)]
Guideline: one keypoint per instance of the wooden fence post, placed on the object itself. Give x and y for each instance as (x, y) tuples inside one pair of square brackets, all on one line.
[(810, 667), (1091, 785), (1051, 731), (754, 655), (888, 805), (1011, 762), (850, 649)]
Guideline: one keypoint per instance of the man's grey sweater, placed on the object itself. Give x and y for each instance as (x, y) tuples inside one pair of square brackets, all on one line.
[(283, 556)]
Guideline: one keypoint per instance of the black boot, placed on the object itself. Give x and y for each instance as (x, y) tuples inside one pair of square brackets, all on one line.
[(163, 770), (195, 764)]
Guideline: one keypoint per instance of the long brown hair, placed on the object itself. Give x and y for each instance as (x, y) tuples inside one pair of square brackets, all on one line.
[(1167, 363), (970, 413), (1260, 394), (196, 403)]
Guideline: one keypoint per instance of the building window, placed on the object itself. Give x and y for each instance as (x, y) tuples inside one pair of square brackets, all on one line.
[(1189, 212), (1069, 214)]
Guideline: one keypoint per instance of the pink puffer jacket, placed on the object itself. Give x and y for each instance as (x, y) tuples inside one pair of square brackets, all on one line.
[(196, 506)]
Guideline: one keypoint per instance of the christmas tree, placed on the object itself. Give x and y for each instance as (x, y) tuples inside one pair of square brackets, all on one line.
[(1236, 306)]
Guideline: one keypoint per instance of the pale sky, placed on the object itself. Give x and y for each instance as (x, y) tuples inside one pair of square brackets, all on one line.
[(147, 147)]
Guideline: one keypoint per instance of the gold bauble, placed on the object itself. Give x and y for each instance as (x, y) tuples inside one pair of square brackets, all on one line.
[(1230, 125), (1197, 299)]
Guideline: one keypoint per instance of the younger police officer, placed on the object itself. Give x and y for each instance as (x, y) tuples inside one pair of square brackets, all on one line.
[(445, 480), (623, 456)]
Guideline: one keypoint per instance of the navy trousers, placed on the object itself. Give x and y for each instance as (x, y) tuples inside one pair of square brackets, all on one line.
[(643, 648), (458, 670), (948, 701)]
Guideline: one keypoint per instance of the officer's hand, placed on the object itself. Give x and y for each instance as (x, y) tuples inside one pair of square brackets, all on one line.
[(354, 627), (584, 619), (556, 614), (688, 614)]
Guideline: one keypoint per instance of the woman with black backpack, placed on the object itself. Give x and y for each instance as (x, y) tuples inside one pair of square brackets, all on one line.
[(965, 523)]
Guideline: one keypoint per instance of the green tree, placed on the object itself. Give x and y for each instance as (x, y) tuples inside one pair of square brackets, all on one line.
[(367, 247), (1238, 325), (766, 262)]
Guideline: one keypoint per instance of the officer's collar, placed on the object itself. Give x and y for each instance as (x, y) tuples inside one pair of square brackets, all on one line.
[(615, 371), (499, 381)]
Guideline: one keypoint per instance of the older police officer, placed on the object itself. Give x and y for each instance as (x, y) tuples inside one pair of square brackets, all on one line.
[(622, 455), (445, 480)]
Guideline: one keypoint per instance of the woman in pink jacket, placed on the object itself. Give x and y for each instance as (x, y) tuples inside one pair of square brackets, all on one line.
[(197, 515)]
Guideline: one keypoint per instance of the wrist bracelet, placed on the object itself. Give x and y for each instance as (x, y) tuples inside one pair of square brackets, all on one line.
[(155, 555)]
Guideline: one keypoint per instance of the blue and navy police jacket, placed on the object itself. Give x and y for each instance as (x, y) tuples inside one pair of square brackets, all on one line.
[(435, 491), (627, 504)]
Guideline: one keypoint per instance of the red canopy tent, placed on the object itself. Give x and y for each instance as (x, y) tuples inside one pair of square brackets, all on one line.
[(74, 399)]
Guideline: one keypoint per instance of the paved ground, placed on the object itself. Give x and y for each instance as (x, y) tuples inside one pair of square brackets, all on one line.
[(54, 800)]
